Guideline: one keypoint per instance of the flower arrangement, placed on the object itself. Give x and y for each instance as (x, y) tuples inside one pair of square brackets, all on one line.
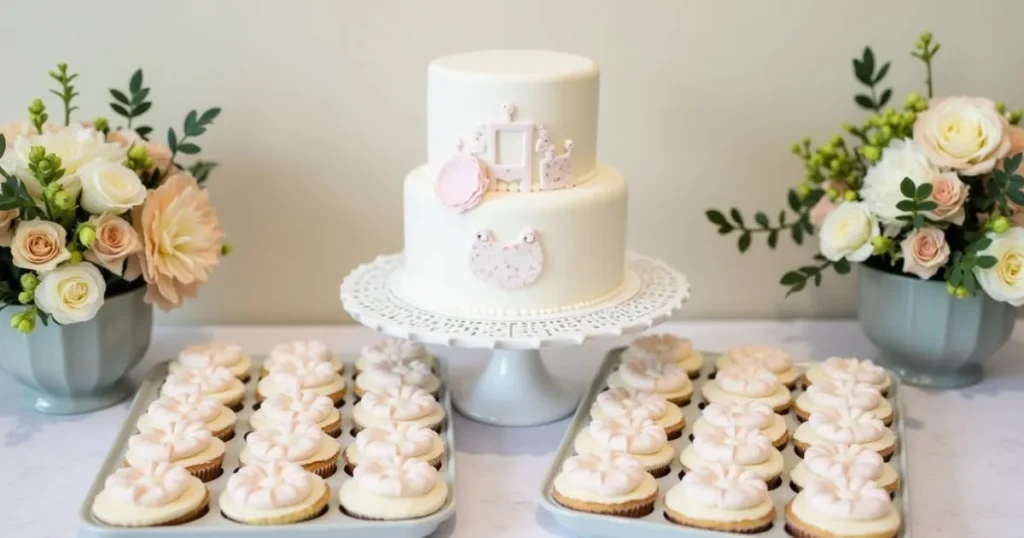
[(931, 190), (89, 210)]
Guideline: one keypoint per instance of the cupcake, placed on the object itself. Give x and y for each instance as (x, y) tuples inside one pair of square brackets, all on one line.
[(393, 349), (666, 379), (723, 498), (213, 354), (842, 507), (216, 382), (386, 374), (750, 414), (828, 461), (624, 402), (769, 358), (285, 408), (393, 488), (667, 347), (154, 494), (847, 425), (406, 440), (843, 369), (398, 405), (737, 383), (302, 351), (274, 493), (828, 393), (301, 443), (746, 447), (316, 376), (607, 483), (187, 443), (638, 437), (190, 406)]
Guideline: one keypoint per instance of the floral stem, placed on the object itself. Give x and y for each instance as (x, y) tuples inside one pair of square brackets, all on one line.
[(928, 80)]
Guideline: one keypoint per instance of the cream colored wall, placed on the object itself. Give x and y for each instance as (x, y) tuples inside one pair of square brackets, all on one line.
[(324, 113)]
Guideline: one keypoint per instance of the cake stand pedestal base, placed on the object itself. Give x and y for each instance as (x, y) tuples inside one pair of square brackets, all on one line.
[(516, 389)]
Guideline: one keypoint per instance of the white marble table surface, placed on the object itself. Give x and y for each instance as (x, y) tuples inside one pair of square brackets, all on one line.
[(965, 447)]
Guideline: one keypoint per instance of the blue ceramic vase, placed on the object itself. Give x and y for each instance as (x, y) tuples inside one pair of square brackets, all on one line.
[(78, 368), (926, 336)]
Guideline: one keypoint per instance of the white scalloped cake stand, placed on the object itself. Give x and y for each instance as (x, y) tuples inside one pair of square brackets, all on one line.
[(516, 388)]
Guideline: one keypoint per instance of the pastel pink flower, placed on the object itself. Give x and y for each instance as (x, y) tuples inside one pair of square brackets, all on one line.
[(950, 193), (925, 251), (461, 182), (966, 134), (825, 206)]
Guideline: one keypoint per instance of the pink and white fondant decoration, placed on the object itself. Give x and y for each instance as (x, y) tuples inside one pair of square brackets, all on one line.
[(631, 403), (739, 446), (750, 381), (848, 498), (150, 485), (751, 414), (852, 369), (555, 170), (188, 406), (512, 266), (665, 347), (396, 477), (846, 425), (461, 181), (406, 440), (835, 460), (399, 403), (605, 472), (654, 375), (631, 435), (847, 393), (294, 442), (169, 442), (724, 487), (271, 485)]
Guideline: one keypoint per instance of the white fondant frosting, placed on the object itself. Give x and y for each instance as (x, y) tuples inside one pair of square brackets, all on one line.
[(604, 472), (844, 393), (396, 477), (297, 406), (666, 347), (654, 375), (726, 487), (771, 358), (750, 381), (393, 349), (209, 380), (848, 498), (399, 403), (742, 414), (295, 442), (302, 374), (211, 354), (732, 445), (632, 435), (406, 440), (846, 425), (271, 485), (383, 374), (835, 460), (626, 402), (171, 442), (187, 406), (852, 369), (152, 484)]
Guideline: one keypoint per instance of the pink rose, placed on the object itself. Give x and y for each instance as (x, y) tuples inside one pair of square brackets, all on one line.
[(115, 241), (966, 134), (950, 193), (461, 182), (824, 205), (925, 251)]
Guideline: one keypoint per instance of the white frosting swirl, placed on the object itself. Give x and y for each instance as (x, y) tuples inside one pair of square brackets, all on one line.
[(769, 358), (271, 485), (663, 347), (743, 414), (211, 354), (314, 350), (399, 403), (654, 375), (406, 440), (605, 473), (297, 406), (383, 374), (750, 381), (393, 349), (396, 477), (210, 380), (846, 425), (302, 374), (170, 442), (295, 442), (848, 499), (632, 403), (188, 406), (740, 446), (852, 369), (835, 460), (845, 393), (632, 435), (152, 484), (725, 487)]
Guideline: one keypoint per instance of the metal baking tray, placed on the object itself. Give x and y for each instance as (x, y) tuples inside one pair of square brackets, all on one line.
[(332, 524), (655, 525)]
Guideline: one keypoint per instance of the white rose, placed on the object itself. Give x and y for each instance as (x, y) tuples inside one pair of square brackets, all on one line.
[(110, 188), (881, 190), (847, 232), (966, 134), (1005, 280), (71, 293), (76, 146)]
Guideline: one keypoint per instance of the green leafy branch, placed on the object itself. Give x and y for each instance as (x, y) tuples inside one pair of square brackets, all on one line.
[(67, 90), (925, 49), (798, 227), (960, 277), (1005, 186), (864, 69), (134, 104), (916, 202), (201, 170), (195, 125), (798, 279)]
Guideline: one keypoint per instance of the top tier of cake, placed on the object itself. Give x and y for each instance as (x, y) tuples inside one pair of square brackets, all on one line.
[(529, 116)]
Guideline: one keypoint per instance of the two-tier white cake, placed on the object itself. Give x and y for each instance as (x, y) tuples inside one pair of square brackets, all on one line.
[(513, 215)]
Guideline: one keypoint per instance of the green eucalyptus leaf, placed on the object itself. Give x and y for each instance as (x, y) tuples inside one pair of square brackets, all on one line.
[(864, 101), (956, 276), (905, 205), (979, 245), (923, 191), (782, 218), (799, 286), (744, 242), (761, 219), (736, 216), (880, 75), (188, 148), (716, 217), (918, 221), (773, 239), (3, 144), (817, 279), (209, 115), (794, 201), (790, 278), (138, 98), (136, 81), (809, 270), (970, 282), (119, 96), (868, 59), (725, 229), (201, 170), (1016, 196), (1012, 163), (842, 266), (172, 139), (144, 131), (141, 109), (907, 188), (986, 262), (797, 232), (121, 111)]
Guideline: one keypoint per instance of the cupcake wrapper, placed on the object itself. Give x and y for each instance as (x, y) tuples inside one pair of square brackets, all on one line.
[(316, 510), (799, 529), (226, 434), (781, 442), (208, 471), (245, 378), (681, 401), (194, 514), (633, 509), (774, 483), (323, 469), (659, 472), (236, 405), (735, 527)]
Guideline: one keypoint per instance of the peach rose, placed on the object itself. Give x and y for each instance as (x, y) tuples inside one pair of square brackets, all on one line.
[(39, 245), (160, 153), (966, 134), (115, 241), (7, 227), (181, 240), (824, 205), (950, 193), (14, 130), (925, 251)]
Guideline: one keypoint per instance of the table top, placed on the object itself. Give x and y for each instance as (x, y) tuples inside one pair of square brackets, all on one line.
[(964, 446)]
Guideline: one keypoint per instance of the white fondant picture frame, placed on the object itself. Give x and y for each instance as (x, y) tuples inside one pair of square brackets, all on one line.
[(515, 172)]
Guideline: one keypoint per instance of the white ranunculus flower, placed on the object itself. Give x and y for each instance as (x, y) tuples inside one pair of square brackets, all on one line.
[(847, 232), (110, 188), (76, 146), (967, 134), (881, 190), (71, 293), (1005, 281)]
